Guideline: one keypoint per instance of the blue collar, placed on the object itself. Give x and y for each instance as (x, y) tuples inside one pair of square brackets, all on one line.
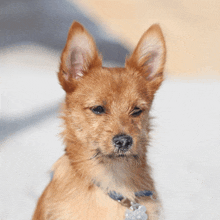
[(123, 200), (118, 197)]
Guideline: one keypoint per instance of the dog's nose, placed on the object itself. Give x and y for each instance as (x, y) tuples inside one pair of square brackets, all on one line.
[(122, 142)]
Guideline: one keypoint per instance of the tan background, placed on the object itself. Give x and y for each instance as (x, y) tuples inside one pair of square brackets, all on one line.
[(191, 29)]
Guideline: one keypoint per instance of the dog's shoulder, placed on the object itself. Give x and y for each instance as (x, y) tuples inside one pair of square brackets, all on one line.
[(62, 167)]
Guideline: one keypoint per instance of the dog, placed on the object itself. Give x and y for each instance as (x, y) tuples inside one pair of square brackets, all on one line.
[(104, 173)]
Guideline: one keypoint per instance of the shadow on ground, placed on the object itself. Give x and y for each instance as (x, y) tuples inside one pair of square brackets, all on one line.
[(46, 22), (10, 126)]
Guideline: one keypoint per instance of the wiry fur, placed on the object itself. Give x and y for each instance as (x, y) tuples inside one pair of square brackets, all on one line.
[(92, 166)]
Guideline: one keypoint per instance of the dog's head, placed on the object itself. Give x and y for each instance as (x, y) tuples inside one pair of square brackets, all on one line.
[(107, 109)]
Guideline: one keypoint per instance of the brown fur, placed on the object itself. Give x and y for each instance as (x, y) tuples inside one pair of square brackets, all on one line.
[(91, 167)]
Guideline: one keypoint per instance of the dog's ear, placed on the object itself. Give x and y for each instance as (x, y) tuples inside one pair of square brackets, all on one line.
[(78, 57), (149, 57)]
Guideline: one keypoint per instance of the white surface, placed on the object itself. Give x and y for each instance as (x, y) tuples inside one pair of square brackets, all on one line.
[(185, 150)]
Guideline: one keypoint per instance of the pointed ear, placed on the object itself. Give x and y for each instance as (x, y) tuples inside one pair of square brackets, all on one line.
[(78, 57), (149, 56)]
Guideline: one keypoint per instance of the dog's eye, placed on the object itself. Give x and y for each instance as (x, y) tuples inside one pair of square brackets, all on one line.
[(98, 110), (136, 112)]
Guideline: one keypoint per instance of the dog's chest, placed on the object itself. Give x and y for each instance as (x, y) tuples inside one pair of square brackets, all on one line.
[(94, 206)]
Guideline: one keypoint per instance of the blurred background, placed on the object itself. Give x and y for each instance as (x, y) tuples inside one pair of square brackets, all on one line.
[(186, 138)]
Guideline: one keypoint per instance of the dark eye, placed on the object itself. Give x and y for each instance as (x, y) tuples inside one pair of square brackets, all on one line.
[(98, 110), (136, 112)]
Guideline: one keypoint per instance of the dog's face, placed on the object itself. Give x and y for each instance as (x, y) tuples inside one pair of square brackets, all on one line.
[(109, 112), (107, 109)]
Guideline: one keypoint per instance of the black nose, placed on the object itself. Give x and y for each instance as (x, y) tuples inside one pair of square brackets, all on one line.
[(122, 142)]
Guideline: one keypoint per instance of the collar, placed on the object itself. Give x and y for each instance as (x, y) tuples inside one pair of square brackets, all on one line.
[(125, 201), (119, 197)]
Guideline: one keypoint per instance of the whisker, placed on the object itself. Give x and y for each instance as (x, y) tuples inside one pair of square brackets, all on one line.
[(91, 158), (95, 155), (79, 161)]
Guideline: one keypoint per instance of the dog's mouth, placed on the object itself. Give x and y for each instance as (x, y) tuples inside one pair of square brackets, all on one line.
[(115, 154)]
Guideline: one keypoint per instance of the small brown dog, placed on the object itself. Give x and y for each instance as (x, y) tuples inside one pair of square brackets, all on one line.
[(106, 132)]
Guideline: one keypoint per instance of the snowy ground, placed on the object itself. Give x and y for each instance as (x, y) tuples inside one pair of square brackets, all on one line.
[(185, 152)]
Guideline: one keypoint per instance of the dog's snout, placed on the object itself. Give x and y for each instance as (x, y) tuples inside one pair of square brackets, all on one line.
[(123, 142)]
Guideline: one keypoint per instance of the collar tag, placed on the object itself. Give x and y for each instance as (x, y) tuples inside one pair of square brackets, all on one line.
[(137, 212)]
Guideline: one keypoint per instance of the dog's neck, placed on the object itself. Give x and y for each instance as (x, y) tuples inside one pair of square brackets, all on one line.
[(122, 175)]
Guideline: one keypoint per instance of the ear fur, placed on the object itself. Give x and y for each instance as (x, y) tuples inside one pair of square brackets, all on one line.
[(149, 56), (78, 57)]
